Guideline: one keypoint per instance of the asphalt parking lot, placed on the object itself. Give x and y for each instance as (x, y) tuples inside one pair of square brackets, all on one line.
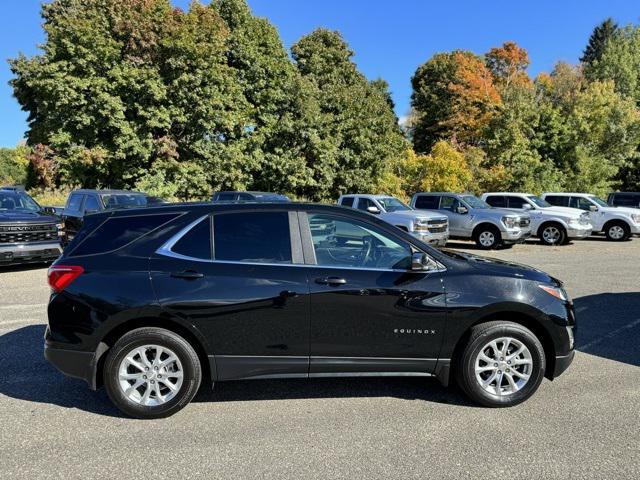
[(585, 424)]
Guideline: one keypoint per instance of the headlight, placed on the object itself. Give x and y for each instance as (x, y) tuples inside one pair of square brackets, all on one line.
[(510, 222), (635, 217), (559, 293), (60, 227), (421, 225)]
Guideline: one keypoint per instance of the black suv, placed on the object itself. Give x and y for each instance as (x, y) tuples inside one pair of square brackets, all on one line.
[(151, 302), (624, 199), (84, 202), (29, 233)]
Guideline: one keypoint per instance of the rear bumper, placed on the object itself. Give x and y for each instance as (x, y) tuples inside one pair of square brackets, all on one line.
[(73, 363), (29, 252)]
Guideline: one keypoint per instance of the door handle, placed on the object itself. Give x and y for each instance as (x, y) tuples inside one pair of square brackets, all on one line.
[(187, 275), (333, 281)]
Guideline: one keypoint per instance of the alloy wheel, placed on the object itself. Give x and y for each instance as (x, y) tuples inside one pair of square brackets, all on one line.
[(551, 235), (503, 366), (616, 232), (150, 375), (487, 239)]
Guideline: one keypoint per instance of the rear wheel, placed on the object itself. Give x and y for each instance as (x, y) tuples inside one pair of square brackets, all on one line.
[(553, 234), (487, 237), (152, 373), (502, 364), (617, 231)]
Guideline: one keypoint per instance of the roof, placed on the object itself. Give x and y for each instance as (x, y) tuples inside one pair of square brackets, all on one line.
[(372, 195), (508, 193), (107, 191), (566, 194)]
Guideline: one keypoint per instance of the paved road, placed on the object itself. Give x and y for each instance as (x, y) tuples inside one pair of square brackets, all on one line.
[(586, 424)]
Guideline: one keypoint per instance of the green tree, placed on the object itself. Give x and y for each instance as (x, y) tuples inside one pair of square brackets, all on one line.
[(598, 41), (354, 133), (14, 165)]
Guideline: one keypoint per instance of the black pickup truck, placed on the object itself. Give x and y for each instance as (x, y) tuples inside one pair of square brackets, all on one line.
[(29, 233)]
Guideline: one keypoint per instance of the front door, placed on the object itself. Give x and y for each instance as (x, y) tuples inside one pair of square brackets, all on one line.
[(369, 311), (246, 292), (459, 223)]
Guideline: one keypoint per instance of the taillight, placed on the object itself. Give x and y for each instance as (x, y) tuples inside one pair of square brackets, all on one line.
[(61, 276)]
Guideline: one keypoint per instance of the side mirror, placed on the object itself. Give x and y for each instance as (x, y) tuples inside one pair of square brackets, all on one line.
[(374, 210), (49, 210), (593, 208), (527, 206), (419, 262), (462, 210)]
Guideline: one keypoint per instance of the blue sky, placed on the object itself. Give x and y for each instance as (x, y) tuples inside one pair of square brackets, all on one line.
[(390, 38)]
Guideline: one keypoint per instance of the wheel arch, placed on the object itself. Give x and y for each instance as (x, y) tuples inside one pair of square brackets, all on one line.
[(614, 221), (551, 221), (528, 321), (484, 224), (194, 338)]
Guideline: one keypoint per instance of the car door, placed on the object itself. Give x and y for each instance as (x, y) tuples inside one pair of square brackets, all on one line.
[(518, 203), (72, 215), (245, 291), (595, 216), (459, 223), (369, 311)]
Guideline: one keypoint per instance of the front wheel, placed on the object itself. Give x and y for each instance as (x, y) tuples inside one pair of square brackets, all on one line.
[(553, 234), (502, 364), (151, 373), (618, 231), (487, 237)]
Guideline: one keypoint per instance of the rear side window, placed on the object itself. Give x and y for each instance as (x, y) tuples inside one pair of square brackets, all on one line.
[(427, 202), (74, 202), (347, 202), (257, 237), (557, 200), (117, 232), (364, 203), (196, 243), (497, 201)]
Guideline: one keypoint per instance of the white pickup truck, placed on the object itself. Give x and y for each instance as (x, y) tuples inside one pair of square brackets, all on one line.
[(552, 225), (429, 227), (617, 223)]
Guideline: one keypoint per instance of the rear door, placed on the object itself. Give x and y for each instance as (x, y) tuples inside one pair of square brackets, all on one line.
[(369, 312), (239, 278)]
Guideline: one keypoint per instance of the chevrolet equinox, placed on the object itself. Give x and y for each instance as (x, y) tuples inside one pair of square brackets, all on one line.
[(150, 303)]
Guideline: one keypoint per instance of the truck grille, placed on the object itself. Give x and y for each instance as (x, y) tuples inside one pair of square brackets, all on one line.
[(437, 226), (28, 233), (525, 222)]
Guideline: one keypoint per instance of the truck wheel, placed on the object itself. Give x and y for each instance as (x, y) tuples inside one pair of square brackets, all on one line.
[(487, 237), (553, 234), (617, 231), (151, 373), (502, 364)]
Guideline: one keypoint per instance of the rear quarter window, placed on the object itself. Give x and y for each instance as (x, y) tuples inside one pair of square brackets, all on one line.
[(116, 232)]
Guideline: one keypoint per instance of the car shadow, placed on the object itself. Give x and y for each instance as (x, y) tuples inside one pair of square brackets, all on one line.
[(609, 326), (24, 267), (28, 376)]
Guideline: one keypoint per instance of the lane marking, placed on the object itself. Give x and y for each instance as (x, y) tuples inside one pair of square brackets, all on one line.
[(22, 306)]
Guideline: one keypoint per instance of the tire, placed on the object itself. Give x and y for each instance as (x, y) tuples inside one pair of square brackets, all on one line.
[(184, 373), (617, 231), (552, 233), (487, 237), (478, 345)]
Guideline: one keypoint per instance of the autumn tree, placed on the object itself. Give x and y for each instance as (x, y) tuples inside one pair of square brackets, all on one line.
[(508, 64), (454, 97)]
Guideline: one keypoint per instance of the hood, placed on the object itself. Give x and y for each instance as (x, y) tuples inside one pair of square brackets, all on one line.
[(418, 213), (500, 212), (505, 268), (566, 211), (620, 210), (16, 216)]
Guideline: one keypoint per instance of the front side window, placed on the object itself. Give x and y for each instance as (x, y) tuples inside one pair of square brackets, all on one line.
[(449, 203), (581, 203), (347, 202), (475, 202), (348, 243), (517, 202), (391, 204), (91, 204), (255, 237), (538, 201), (124, 200), (224, 197), (598, 201)]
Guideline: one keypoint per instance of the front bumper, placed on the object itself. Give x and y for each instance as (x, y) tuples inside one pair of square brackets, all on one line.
[(562, 363), (29, 252), (436, 239), (579, 232), (635, 229), (515, 235)]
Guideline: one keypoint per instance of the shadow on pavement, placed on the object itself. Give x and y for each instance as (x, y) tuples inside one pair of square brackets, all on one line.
[(26, 375), (609, 326)]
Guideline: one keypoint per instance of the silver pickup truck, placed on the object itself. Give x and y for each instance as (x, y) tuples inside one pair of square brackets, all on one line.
[(471, 218), (430, 227)]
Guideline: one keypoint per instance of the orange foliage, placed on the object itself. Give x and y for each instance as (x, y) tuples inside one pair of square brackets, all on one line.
[(509, 64)]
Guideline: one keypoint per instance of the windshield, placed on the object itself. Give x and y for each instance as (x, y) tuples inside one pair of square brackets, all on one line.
[(17, 201), (124, 200), (598, 201), (391, 204), (539, 202), (475, 202)]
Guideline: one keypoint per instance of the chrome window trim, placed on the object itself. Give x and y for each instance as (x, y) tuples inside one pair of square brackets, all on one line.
[(165, 250)]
